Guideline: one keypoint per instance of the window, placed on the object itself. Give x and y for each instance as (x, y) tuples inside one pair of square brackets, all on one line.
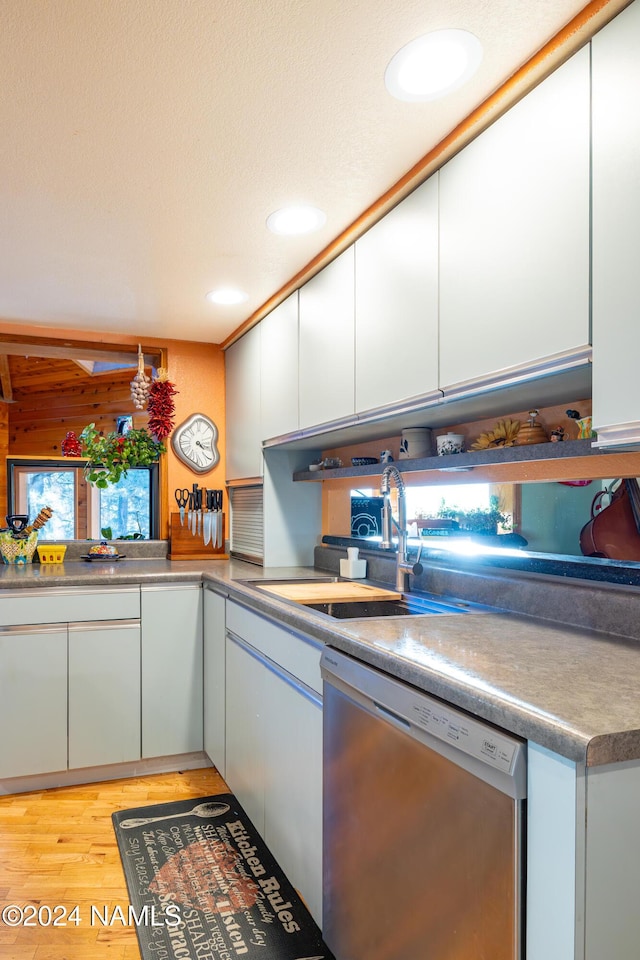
[(81, 511), (464, 502)]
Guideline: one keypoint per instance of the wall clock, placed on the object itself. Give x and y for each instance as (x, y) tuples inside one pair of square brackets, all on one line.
[(194, 442)]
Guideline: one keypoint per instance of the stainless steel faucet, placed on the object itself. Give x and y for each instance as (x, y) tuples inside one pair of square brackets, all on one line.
[(403, 567)]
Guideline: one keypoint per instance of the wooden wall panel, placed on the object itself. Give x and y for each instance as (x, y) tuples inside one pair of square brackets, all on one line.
[(53, 397), (4, 452)]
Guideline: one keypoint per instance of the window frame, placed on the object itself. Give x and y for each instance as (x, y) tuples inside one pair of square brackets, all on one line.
[(18, 465)]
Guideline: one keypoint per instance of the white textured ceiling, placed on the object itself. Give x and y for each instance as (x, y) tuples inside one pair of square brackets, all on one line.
[(144, 142)]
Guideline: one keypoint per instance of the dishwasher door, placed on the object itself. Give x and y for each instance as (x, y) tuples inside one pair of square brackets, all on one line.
[(423, 820)]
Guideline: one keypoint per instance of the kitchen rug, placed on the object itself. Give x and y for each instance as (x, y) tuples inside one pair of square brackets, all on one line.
[(204, 886)]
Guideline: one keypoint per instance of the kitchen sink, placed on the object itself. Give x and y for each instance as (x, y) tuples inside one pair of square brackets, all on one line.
[(406, 606), (281, 581)]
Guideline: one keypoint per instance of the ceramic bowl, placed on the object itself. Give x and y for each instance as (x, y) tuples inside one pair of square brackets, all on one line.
[(450, 443)]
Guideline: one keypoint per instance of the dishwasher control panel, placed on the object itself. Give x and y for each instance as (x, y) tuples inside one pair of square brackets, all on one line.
[(464, 733)]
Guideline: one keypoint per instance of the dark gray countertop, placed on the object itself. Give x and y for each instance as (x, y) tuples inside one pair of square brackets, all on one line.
[(570, 689)]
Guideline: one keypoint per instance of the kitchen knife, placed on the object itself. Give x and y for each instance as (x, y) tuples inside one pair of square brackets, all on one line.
[(190, 512), (194, 521), (212, 516), (214, 519), (206, 520), (218, 499)]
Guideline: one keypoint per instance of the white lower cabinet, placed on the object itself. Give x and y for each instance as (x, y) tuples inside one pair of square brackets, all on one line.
[(214, 678), (33, 700), (172, 682), (293, 784), (245, 732), (274, 742), (583, 859), (104, 693)]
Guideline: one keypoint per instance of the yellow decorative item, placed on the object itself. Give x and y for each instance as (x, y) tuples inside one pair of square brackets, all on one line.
[(17, 549), (504, 434), (51, 553)]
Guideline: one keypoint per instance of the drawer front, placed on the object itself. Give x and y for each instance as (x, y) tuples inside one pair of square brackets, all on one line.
[(18, 607), (295, 653)]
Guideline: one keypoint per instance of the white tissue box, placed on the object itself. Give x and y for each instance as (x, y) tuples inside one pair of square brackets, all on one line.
[(353, 569)]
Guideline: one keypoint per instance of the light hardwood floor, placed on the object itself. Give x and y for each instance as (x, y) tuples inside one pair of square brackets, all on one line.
[(58, 847)]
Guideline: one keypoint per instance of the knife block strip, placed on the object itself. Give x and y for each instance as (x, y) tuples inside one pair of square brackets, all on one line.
[(184, 545)]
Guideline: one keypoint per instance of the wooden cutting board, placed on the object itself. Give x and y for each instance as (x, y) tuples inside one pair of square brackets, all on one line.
[(329, 592)]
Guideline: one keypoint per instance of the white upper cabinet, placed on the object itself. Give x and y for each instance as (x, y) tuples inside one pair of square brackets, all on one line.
[(327, 343), (242, 372), (514, 234), (396, 302), (616, 230), (279, 369)]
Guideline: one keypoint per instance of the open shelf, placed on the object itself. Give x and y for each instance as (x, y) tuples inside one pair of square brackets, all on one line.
[(463, 462)]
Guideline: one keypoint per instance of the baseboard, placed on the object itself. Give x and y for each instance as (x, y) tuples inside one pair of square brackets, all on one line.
[(114, 771)]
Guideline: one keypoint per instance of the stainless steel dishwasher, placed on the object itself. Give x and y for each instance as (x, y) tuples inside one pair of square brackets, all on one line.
[(423, 824)]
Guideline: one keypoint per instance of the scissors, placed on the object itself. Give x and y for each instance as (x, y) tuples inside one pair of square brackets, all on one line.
[(182, 499)]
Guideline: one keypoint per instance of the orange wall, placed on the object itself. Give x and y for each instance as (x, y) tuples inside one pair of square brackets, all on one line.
[(197, 370)]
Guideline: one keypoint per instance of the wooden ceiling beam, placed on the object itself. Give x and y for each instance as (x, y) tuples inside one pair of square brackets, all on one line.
[(5, 379), (74, 350)]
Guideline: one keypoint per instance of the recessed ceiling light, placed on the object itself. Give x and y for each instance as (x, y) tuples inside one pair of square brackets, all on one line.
[(433, 65), (227, 296), (295, 220)]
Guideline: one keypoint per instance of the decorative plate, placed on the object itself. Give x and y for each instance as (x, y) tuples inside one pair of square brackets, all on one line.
[(103, 557)]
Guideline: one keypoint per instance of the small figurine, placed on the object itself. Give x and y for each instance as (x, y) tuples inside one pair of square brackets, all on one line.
[(557, 434), (583, 424)]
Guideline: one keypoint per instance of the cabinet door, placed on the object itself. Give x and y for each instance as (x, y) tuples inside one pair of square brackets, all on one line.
[(396, 303), (242, 373), (172, 697), (327, 343), (514, 234), (279, 369), (214, 678), (104, 693), (33, 701), (245, 729), (616, 229), (293, 787)]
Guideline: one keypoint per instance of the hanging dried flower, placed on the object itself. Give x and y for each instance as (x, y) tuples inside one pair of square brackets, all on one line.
[(161, 406)]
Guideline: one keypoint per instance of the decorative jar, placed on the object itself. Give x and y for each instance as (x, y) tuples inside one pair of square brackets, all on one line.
[(18, 549)]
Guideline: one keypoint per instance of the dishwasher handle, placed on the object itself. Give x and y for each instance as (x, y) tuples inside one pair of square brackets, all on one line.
[(392, 717)]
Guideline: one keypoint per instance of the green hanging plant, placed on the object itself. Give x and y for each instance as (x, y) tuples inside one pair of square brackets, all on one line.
[(110, 456)]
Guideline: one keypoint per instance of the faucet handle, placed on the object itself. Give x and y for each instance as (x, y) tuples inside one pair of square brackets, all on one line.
[(417, 569)]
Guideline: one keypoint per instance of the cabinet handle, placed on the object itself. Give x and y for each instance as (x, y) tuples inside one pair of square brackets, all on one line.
[(275, 668), (81, 626)]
